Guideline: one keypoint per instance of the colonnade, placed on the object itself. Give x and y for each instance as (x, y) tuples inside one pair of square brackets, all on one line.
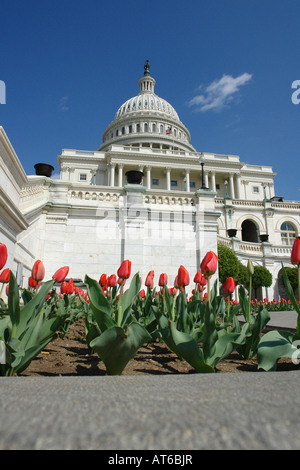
[(232, 180)]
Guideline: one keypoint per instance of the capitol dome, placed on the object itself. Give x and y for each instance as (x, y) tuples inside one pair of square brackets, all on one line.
[(147, 120)]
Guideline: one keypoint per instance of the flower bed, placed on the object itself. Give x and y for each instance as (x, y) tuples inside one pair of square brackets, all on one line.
[(119, 321)]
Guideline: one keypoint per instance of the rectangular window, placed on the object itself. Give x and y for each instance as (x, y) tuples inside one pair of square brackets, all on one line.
[(82, 177), (255, 189), (155, 182), (173, 183), (192, 185)]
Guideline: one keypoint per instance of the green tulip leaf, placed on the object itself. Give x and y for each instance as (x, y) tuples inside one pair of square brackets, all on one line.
[(274, 345), (116, 346)]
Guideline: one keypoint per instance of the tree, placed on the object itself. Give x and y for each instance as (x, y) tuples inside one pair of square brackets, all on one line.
[(228, 263), (230, 266), (261, 278), (292, 275)]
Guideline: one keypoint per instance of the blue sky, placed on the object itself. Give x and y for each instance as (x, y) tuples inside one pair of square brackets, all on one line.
[(226, 67)]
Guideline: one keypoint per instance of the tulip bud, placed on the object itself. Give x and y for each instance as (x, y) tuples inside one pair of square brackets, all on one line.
[(150, 279), (183, 277), (4, 276), (125, 269), (3, 255), (64, 287), (229, 285), (209, 264), (60, 275), (163, 278), (250, 268), (295, 255), (200, 279), (112, 280), (38, 271)]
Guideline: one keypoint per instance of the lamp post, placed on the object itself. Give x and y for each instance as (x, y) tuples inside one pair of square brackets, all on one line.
[(202, 162)]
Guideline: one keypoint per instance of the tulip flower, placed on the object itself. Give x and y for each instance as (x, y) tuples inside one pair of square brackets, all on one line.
[(200, 279), (150, 280), (38, 271), (295, 255), (112, 280), (4, 276), (295, 259), (142, 293), (125, 269), (163, 279), (3, 255), (64, 287), (103, 280), (183, 277), (71, 287), (229, 285), (209, 264), (60, 275)]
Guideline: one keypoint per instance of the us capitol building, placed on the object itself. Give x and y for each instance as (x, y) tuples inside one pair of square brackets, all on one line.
[(186, 204)]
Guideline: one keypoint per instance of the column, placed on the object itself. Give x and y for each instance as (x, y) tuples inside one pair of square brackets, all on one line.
[(168, 178), (120, 175), (213, 181), (112, 174), (238, 186), (187, 179), (231, 185), (148, 170)]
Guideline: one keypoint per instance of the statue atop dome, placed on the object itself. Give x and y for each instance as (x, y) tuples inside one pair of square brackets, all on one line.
[(147, 68)]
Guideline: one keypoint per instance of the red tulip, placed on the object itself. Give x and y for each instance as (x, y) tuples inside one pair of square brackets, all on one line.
[(38, 271), (71, 286), (121, 281), (125, 269), (229, 285), (200, 279), (150, 279), (163, 279), (60, 275), (4, 276), (32, 283), (176, 285), (142, 293), (103, 280), (3, 255), (209, 264), (112, 280), (183, 277), (295, 255), (7, 290), (64, 287)]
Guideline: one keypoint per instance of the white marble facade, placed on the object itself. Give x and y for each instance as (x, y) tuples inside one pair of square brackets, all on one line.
[(91, 219)]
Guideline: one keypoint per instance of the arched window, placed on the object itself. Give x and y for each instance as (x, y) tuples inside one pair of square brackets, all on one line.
[(249, 231), (153, 127), (146, 127), (161, 129), (288, 233)]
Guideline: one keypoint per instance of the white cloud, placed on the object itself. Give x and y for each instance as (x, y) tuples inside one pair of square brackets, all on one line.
[(219, 93), (63, 103)]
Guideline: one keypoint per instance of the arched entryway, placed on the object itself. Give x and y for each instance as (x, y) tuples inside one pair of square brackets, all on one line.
[(249, 231)]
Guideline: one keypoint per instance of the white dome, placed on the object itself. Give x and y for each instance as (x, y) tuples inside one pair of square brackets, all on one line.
[(147, 102), (147, 119)]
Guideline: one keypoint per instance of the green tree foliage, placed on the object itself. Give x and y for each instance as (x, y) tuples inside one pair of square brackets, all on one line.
[(230, 266), (261, 278), (292, 275)]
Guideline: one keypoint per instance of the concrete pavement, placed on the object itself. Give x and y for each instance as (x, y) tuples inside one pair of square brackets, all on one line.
[(170, 412)]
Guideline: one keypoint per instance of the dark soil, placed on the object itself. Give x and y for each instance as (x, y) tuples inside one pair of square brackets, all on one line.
[(70, 356)]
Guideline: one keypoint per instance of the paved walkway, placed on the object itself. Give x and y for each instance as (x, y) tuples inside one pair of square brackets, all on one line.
[(168, 412)]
